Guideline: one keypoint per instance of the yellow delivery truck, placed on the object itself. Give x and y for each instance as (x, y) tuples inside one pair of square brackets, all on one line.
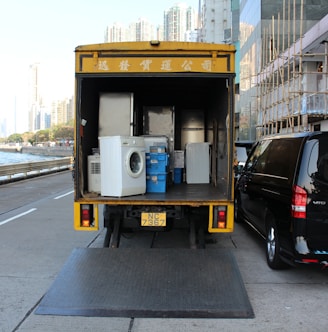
[(154, 138)]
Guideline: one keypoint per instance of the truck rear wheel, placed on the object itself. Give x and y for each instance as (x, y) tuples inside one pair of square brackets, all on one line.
[(107, 237), (114, 241), (112, 223)]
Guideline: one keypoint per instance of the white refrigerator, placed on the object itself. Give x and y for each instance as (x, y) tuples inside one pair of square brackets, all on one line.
[(198, 162)]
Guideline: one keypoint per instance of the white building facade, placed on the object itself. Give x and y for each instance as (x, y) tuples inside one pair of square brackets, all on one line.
[(216, 21), (178, 20)]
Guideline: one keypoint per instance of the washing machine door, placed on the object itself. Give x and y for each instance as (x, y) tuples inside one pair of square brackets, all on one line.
[(135, 163)]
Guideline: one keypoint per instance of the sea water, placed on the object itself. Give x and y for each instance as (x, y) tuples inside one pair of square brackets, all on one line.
[(17, 157)]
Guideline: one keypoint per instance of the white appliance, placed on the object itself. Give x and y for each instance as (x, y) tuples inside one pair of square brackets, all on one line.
[(198, 162), (123, 165), (115, 114), (94, 177), (192, 127)]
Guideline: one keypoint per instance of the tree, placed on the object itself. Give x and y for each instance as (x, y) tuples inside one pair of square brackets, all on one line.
[(55, 133), (28, 137), (42, 135), (15, 138), (63, 132)]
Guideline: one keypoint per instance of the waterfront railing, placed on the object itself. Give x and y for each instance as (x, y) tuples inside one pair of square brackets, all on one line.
[(17, 171)]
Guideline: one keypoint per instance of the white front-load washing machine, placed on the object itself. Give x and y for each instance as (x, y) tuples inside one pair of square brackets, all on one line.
[(123, 165)]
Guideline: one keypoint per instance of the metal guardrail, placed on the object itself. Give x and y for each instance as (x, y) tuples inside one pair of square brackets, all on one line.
[(33, 168), (56, 151)]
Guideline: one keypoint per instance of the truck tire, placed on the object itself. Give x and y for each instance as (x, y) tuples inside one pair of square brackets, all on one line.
[(237, 217), (115, 237), (107, 237)]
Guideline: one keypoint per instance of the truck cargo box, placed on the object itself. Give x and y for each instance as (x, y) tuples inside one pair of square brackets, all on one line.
[(177, 93)]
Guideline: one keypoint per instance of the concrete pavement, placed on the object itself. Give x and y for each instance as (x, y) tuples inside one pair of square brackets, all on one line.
[(35, 246)]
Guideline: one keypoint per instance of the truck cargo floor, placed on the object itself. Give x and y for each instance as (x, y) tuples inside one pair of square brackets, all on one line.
[(181, 192), (175, 283)]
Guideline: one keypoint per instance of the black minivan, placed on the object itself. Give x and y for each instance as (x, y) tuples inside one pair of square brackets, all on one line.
[(283, 193)]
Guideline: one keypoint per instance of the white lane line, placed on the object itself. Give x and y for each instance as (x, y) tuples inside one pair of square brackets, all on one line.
[(18, 216), (58, 197)]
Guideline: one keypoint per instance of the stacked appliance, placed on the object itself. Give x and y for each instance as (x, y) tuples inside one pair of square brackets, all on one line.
[(198, 162), (122, 156), (123, 165), (94, 173), (192, 127)]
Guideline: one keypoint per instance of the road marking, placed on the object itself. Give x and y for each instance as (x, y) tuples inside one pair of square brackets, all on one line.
[(58, 197), (18, 216)]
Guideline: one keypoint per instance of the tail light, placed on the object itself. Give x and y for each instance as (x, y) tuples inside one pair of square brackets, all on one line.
[(299, 200), (310, 260), (220, 217), (86, 215)]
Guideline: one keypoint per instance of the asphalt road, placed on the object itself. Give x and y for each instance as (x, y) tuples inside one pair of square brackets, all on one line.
[(37, 236)]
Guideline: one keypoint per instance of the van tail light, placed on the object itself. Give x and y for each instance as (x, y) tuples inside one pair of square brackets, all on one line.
[(86, 215), (310, 260), (299, 200), (220, 218)]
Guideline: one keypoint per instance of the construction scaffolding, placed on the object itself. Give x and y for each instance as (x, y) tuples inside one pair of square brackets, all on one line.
[(292, 85)]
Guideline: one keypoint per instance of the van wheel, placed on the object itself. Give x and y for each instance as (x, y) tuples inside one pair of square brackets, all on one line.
[(273, 247)]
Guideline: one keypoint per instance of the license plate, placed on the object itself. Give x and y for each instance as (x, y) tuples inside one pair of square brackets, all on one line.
[(153, 219)]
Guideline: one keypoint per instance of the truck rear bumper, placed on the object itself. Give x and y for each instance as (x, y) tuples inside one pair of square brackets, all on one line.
[(204, 196)]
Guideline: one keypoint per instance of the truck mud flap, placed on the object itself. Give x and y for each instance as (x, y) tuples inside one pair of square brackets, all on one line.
[(172, 283)]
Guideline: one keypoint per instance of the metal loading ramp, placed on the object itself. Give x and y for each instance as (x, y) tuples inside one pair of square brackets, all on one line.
[(172, 283)]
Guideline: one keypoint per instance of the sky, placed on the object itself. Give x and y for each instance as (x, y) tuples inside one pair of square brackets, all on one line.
[(47, 32)]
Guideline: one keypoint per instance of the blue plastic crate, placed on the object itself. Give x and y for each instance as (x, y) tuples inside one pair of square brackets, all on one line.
[(156, 162), (156, 182)]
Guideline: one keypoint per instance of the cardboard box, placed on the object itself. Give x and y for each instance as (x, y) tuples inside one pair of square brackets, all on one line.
[(157, 149), (179, 159)]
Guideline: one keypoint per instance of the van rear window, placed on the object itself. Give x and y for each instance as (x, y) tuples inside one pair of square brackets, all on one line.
[(319, 160), (282, 157), (257, 159), (277, 157)]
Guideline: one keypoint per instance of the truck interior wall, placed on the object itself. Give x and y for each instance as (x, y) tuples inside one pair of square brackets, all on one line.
[(216, 133), (89, 132), (220, 162)]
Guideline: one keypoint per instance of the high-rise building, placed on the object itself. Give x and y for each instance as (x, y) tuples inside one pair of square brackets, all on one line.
[(144, 30), (276, 71), (141, 30), (3, 128), (43, 112), (35, 99), (180, 23), (216, 27), (159, 33), (178, 20), (116, 33), (61, 111)]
